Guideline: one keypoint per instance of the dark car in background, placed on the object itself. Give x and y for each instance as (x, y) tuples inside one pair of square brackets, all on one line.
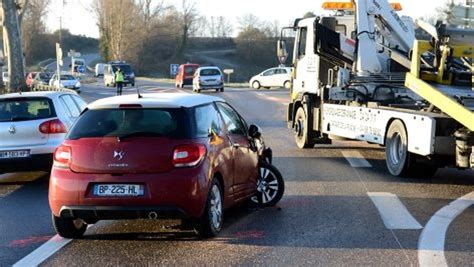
[(111, 68), (41, 78)]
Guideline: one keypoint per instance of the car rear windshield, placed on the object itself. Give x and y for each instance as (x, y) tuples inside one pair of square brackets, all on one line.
[(44, 76), (125, 68), (210, 72), (67, 77), (166, 122), (26, 109), (189, 70)]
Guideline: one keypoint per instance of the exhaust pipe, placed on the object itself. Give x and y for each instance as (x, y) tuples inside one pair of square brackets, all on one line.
[(152, 215)]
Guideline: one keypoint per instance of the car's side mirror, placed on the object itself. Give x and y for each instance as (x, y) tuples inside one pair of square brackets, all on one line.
[(282, 52), (254, 131)]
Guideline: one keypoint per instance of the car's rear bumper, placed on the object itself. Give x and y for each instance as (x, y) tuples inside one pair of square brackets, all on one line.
[(39, 162), (181, 189), (92, 214), (210, 86)]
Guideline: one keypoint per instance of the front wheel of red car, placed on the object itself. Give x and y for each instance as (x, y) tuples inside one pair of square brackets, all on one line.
[(270, 186), (69, 227), (211, 221)]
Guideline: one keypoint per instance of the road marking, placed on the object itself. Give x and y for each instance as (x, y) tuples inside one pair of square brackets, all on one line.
[(45, 251), (356, 159), (394, 214), (432, 239)]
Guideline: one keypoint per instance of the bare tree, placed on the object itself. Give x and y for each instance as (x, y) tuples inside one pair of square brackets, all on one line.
[(12, 12), (224, 27), (33, 27), (189, 17)]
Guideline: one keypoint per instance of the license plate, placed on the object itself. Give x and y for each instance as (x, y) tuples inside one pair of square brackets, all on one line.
[(118, 190), (14, 154)]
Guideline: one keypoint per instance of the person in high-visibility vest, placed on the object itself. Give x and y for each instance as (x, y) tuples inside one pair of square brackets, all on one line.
[(119, 81)]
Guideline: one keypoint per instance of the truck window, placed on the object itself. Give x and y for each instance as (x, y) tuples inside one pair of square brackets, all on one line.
[(302, 42), (341, 28)]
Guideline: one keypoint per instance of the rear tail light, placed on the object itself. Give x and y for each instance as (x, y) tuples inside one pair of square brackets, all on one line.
[(62, 157), (188, 155), (52, 127)]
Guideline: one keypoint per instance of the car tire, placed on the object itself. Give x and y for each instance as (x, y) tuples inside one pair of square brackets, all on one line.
[(256, 85), (69, 227), (133, 84), (299, 129), (287, 85), (270, 186), (397, 157), (210, 224), (222, 89)]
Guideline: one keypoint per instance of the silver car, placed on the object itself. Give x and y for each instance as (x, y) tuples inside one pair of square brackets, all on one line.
[(206, 78), (32, 125)]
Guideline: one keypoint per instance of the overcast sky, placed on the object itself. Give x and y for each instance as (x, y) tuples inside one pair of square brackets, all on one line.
[(78, 18)]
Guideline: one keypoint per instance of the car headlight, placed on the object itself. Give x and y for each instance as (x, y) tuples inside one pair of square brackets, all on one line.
[(132, 75), (78, 84)]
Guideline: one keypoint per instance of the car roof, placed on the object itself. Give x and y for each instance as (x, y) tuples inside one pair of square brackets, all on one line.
[(156, 100), (49, 94), (209, 67)]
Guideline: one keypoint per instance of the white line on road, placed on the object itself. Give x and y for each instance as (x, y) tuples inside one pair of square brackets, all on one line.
[(432, 239), (356, 159), (394, 214), (45, 251)]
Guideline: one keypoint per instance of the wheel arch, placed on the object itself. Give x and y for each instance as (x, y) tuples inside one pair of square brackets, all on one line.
[(389, 123)]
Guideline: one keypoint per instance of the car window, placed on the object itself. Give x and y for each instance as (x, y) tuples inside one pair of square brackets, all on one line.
[(302, 43), (189, 70), (206, 118), (269, 72), (283, 71), (70, 106), (166, 122), (24, 109), (232, 120), (80, 103), (209, 72)]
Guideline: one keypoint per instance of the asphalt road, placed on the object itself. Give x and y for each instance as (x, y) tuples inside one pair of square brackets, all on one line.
[(340, 208)]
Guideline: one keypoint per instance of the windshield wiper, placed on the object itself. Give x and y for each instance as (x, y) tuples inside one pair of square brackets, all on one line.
[(139, 134)]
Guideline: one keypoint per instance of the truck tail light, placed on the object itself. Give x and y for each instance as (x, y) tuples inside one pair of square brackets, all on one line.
[(62, 156), (52, 127), (188, 155)]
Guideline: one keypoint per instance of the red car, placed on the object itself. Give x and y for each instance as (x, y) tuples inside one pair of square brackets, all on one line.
[(185, 74), (159, 156)]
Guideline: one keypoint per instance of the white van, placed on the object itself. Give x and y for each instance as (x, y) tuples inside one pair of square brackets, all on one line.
[(99, 69)]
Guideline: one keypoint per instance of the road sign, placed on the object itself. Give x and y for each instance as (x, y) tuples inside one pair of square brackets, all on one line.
[(174, 69), (228, 71), (81, 69)]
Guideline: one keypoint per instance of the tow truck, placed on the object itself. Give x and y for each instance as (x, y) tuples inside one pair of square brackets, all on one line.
[(361, 74)]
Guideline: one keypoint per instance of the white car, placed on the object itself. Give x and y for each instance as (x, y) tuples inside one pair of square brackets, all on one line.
[(206, 78), (5, 78), (274, 77), (32, 125), (67, 81)]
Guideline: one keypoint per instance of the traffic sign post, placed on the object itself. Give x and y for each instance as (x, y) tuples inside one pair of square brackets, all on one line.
[(59, 61), (228, 72), (174, 70)]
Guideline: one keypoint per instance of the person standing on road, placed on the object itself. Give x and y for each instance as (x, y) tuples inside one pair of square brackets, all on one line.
[(119, 81)]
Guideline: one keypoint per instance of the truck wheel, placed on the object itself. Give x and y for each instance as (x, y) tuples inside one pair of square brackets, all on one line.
[(397, 157), (301, 130)]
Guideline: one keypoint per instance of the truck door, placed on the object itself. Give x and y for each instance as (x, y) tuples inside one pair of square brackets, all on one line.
[(304, 60)]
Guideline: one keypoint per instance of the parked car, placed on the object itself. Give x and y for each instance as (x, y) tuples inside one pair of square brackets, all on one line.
[(30, 76), (32, 125), (158, 156), (206, 78), (185, 74), (99, 69), (274, 77), (67, 81), (112, 67), (42, 78)]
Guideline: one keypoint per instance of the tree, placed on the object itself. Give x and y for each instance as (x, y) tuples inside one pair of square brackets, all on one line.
[(12, 16), (34, 29), (189, 17)]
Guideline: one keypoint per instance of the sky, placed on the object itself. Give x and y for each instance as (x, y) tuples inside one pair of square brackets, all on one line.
[(79, 19)]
